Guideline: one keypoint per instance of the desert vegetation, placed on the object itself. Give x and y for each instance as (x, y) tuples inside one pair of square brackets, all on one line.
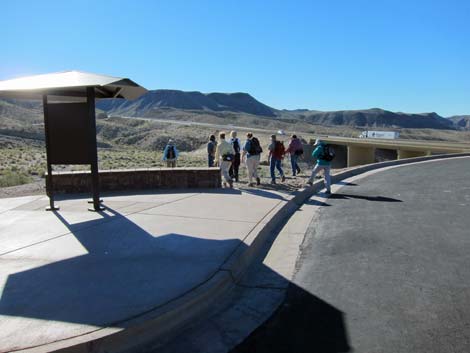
[(129, 142)]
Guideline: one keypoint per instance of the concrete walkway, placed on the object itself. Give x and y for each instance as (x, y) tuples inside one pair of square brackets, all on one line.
[(72, 272)]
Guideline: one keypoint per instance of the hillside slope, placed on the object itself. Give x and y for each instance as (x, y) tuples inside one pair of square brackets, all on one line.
[(144, 105), (152, 104), (235, 108), (20, 111), (461, 121), (379, 118)]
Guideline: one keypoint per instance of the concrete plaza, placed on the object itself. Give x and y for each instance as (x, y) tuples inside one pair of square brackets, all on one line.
[(72, 273)]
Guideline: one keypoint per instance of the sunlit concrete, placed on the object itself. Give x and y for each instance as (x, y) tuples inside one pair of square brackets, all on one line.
[(69, 273)]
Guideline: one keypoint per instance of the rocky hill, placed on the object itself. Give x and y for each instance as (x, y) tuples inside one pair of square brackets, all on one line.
[(154, 100), (378, 118), (20, 111), (151, 104), (237, 107), (461, 121)]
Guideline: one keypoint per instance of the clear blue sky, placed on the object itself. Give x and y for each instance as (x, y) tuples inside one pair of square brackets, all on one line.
[(401, 55)]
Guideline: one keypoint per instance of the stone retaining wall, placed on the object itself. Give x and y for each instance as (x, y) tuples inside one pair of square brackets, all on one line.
[(137, 179)]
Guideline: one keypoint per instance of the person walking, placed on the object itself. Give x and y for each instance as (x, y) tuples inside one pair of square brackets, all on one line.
[(211, 147), (251, 156), (295, 150), (233, 171), (276, 154), (170, 154), (224, 155), (323, 163)]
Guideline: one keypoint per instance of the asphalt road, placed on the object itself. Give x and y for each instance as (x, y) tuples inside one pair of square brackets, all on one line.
[(384, 268), (198, 123)]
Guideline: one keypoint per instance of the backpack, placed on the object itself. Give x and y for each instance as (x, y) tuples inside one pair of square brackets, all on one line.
[(170, 152), (255, 147), (328, 153), (279, 150)]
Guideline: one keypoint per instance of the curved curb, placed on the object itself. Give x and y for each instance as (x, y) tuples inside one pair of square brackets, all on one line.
[(240, 261), (168, 320)]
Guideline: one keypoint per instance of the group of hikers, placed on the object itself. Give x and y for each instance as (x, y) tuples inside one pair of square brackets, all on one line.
[(229, 154)]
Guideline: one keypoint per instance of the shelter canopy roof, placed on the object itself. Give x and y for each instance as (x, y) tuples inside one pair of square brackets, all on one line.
[(70, 84)]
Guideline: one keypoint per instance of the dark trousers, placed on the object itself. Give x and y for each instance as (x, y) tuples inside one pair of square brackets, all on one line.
[(210, 160), (233, 171), (294, 165), (275, 164)]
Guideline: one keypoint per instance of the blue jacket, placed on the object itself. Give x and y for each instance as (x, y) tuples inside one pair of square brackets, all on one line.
[(317, 152), (166, 150), (247, 147)]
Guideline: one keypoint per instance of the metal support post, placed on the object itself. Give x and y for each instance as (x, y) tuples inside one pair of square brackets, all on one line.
[(95, 182), (50, 191)]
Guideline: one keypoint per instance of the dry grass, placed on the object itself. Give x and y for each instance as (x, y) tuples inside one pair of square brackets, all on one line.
[(134, 143)]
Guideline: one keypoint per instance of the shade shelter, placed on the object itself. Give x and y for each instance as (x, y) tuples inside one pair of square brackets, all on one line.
[(69, 116)]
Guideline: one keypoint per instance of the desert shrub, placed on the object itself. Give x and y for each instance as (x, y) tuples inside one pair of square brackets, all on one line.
[(11, 178)]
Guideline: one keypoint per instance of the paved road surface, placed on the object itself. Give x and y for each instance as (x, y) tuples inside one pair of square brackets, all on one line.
[(386, 268), (198, 123)]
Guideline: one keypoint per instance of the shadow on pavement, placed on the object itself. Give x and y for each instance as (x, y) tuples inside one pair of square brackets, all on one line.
[(263, 193), (345, 183), (122, 271), (118, 271), (303, 323), (361, 197), (313, 202), (106, 194)]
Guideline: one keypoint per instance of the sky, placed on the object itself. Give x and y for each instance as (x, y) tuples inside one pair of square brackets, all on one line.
[(409, 56)]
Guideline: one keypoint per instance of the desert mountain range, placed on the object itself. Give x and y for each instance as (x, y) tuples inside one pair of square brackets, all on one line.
[(149, 103), (156, 102)]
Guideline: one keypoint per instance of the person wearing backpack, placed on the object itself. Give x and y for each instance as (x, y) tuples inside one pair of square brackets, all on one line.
[(295, 150), (170, 154), (324, 155), (224, 155), (233, 171), (211, 146), (251, 157), (276, 154)]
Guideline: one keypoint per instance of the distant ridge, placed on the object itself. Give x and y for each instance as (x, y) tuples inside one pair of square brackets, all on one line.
[(150, 103), (162, 98), (189, 105), (461, 121), (379, 118)]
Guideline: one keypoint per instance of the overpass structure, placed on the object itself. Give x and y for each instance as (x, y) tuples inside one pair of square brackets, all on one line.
[(358, 151)]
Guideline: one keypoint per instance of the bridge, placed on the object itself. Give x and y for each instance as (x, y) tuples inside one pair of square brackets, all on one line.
[(357, 151)]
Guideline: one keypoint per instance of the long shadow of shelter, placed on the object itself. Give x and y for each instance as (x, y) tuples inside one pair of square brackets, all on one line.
[(303, 323), (124, 271)]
